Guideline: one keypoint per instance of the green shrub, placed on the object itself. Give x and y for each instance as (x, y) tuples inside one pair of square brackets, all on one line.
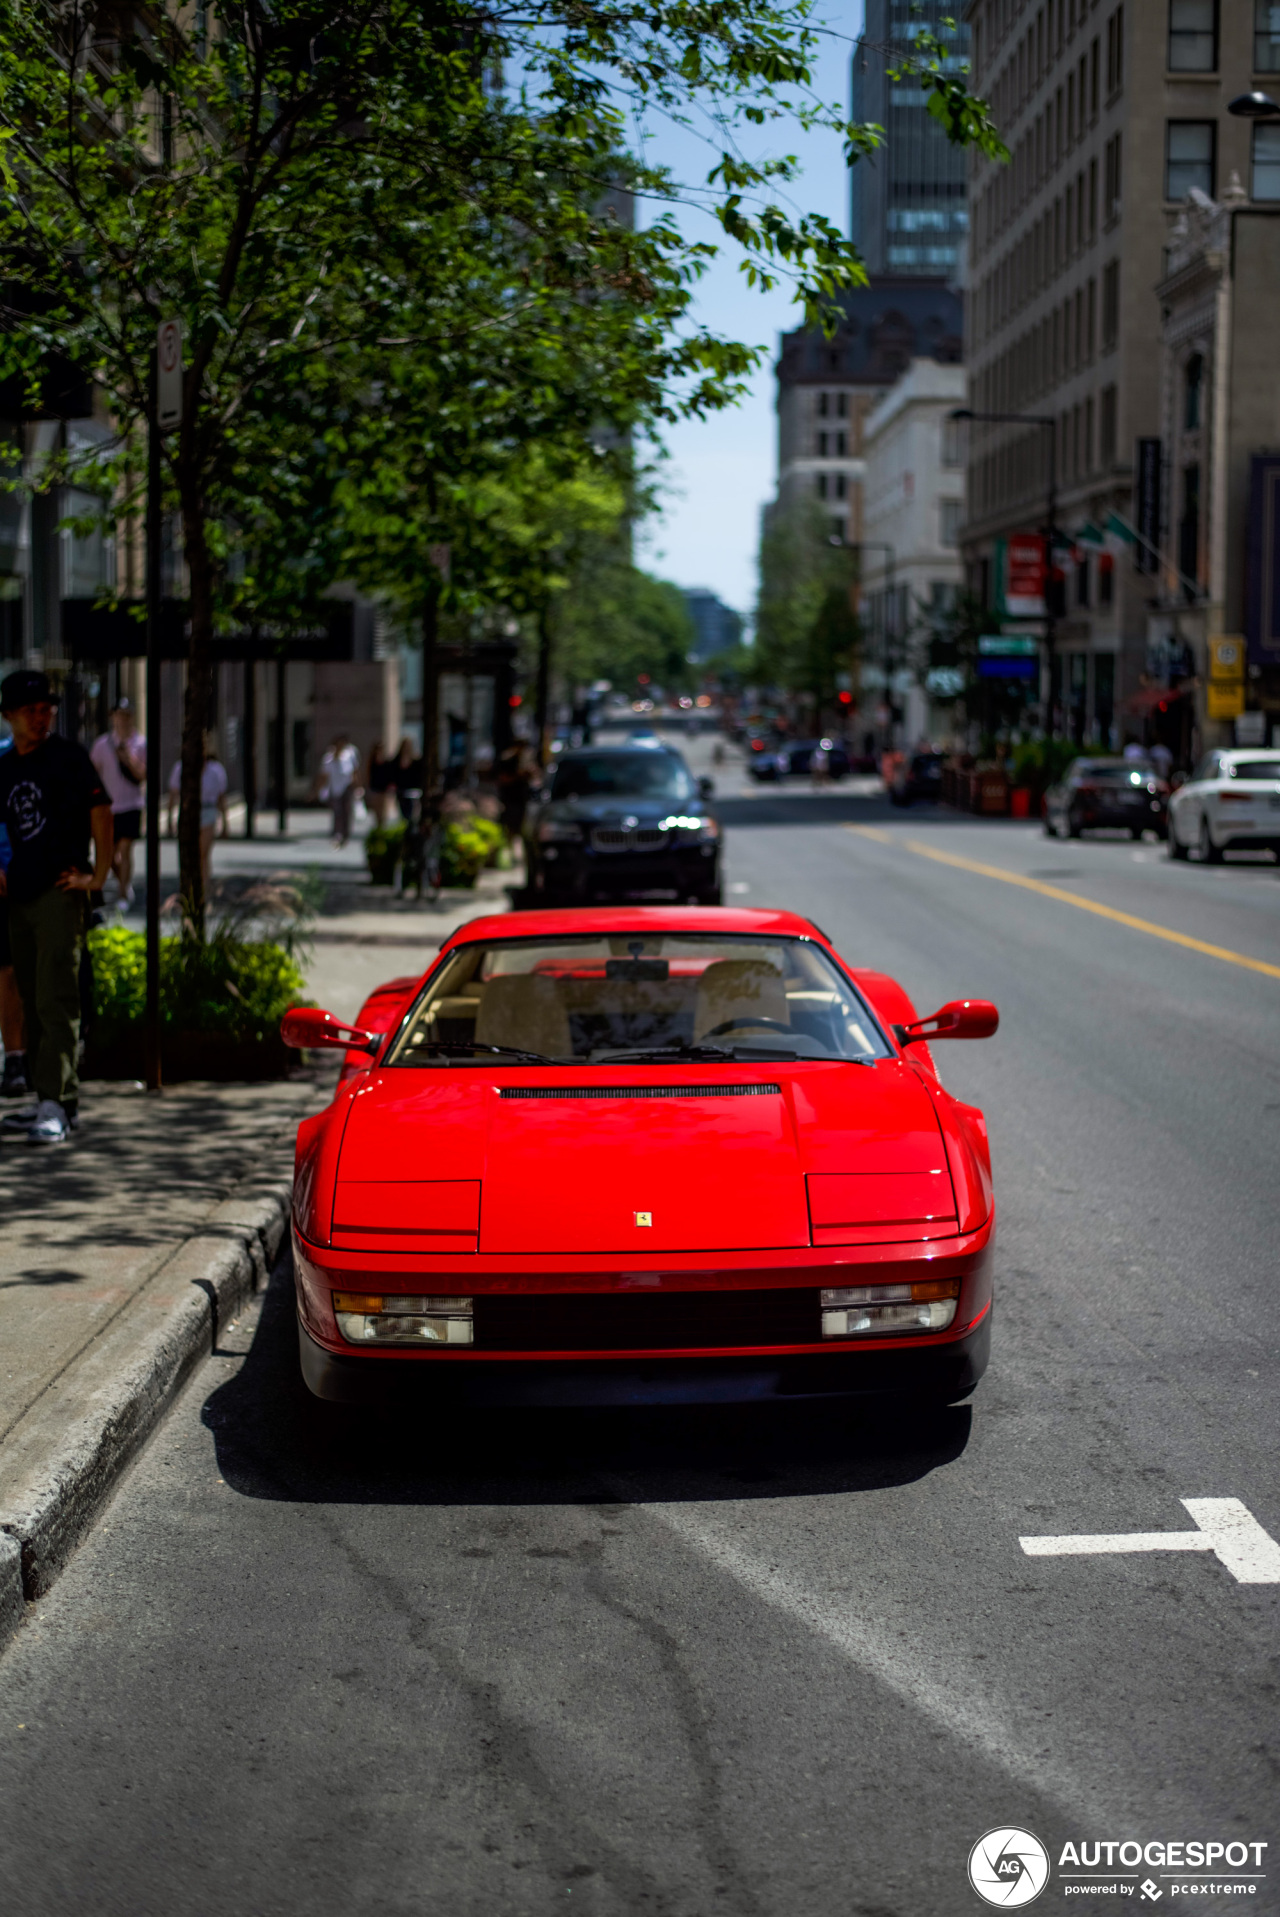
[(1041, 762), (469, 845), (382, 849), (231, 987)]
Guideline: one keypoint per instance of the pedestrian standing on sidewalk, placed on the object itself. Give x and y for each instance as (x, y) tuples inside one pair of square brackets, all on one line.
[(17, 1079), (338, 769), (51, 803), (120, 756)]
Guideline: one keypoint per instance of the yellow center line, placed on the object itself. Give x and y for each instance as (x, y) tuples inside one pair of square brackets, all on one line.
[(1085, 905), (872, 832)]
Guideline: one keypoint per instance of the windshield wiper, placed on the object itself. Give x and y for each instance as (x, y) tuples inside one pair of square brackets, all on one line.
[(682, 1050), (465, 1048)]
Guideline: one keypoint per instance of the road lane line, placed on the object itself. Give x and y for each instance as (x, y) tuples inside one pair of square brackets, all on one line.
[(946, 1690), (1226, 1527), (1085, 905), (871, 832)]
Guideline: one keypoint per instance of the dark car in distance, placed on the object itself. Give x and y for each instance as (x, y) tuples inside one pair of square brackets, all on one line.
[(623, 822), (919, 777), (793, 758), (1125, 793)]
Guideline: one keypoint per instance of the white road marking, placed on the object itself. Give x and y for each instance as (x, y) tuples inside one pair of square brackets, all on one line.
[(937, 1680), (1225, 1526)]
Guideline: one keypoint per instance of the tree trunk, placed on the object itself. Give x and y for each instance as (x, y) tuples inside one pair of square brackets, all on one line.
[(195, 715), (430, 689), (542, 691)]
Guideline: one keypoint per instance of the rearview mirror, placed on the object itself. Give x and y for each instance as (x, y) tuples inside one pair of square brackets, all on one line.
[(962, 1018), (706, 788), (307, 1028)]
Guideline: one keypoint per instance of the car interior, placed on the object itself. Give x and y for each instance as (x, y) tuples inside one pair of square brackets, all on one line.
[(619, 994)]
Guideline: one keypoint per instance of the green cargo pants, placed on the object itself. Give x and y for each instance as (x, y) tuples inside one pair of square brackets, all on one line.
[(47, 935)]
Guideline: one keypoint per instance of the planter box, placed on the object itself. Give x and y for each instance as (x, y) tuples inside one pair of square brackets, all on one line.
[(184, 1055)]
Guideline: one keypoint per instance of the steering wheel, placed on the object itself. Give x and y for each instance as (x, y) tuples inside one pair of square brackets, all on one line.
[(751, 1024)]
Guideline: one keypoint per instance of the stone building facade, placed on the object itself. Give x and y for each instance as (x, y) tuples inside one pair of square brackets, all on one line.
[(1113, 114)]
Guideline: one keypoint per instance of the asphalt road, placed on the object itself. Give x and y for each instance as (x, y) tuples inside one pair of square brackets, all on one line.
[(761, 1663)]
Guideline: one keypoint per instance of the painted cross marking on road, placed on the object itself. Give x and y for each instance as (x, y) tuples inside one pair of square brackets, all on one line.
[(1224, 1526)]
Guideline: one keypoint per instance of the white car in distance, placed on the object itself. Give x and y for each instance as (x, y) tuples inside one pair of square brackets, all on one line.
[(1231, 803)]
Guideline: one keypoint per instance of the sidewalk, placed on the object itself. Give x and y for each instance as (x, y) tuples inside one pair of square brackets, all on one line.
[(124, 1252)]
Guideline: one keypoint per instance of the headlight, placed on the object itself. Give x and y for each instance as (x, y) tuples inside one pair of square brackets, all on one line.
[(863, 1311), (553, 832), (378, 1318), (692, 823)]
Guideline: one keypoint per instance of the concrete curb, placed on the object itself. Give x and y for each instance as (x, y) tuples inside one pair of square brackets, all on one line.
[(77, 1442)]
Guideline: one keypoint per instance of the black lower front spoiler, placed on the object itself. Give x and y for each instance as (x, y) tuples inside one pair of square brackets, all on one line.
[(942, 1373)]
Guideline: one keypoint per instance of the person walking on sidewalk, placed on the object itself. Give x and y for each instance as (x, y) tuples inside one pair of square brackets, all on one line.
[(120, 756), (213, 804), (51, 803), (338, 770)]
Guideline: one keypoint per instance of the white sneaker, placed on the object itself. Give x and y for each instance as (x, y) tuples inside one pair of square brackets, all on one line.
[(50, 1126)]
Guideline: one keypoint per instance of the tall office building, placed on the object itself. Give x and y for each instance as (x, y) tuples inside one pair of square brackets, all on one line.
[(908, 216), (1115, 115), (826, 387), (719, 627)]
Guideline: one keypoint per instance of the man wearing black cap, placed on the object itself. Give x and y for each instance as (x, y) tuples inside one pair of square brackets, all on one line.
[(51, 801)]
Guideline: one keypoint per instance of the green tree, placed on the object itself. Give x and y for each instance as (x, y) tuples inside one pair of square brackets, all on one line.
[(806, 629), (344, 212)]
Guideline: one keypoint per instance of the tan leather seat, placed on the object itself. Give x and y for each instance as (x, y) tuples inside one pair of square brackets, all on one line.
[(524, 1010), (738, 988)]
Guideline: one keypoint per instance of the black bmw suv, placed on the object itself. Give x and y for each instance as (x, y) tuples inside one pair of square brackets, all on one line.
[(623, 822)]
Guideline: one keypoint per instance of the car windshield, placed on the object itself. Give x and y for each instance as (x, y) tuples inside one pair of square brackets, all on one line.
[(1254, 769), (1115, 771), (589, 1001), (623, 775)]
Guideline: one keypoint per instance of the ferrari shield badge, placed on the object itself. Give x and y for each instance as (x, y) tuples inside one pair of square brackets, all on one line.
[(644, 1218)]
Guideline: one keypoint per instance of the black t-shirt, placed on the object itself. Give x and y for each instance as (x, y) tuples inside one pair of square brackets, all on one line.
[(46, 797)]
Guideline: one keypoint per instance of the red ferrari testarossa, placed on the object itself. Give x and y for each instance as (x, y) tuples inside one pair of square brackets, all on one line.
[(642, 1155)]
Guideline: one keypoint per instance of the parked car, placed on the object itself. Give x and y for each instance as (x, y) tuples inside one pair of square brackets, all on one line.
[(1231, 802), (919, 777), (643, 1155), (1107, 792), (794, 757), (623, 822)]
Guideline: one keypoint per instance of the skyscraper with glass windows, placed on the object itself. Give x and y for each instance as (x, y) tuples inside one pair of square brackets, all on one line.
[(908, 217)]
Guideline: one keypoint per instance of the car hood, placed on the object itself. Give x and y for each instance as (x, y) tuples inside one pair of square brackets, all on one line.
[(609, 811), (640, 1160)]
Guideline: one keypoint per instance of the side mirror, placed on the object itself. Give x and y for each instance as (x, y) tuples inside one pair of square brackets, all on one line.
[(307, 1028), (962, 1018), (706, 788)]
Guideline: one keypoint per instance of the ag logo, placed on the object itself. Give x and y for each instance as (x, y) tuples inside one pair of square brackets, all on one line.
[(1008, 1867)]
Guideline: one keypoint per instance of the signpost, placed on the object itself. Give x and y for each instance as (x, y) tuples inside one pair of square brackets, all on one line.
[(166, 413)]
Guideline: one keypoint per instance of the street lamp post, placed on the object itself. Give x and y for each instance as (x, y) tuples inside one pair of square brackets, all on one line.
[(1050, 425), (860, 546)]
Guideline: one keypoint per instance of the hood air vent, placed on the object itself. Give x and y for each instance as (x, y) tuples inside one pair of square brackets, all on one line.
[(640, 1091)]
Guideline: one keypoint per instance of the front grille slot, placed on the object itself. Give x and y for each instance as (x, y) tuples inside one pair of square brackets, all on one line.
[(640, 838), (640, 1091), (662, 1321)]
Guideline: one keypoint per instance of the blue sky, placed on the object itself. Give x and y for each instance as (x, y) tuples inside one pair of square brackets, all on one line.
[(720, 471)]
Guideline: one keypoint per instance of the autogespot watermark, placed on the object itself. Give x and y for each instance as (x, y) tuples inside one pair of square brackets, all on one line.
[(1009, 1867)]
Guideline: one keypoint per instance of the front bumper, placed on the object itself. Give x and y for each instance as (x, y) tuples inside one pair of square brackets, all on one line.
[(579, 872), (943, 1373), (942, 1364), (1151, 817)]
